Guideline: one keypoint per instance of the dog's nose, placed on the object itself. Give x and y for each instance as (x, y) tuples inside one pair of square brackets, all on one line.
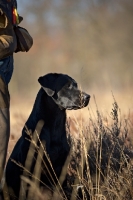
[(87, 97)]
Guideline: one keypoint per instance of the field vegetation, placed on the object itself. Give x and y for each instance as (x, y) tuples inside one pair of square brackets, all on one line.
[(100, 164), (92, 42)]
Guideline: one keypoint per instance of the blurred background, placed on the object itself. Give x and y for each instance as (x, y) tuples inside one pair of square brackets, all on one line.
[(91, 40)]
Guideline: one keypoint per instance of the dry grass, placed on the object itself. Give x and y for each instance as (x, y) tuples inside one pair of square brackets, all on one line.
[(102, 162), (100, 165)]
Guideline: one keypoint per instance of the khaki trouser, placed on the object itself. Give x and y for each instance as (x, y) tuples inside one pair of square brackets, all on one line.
[(4, 124)]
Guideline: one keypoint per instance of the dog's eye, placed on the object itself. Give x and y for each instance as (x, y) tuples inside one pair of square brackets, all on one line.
[(69, 86)]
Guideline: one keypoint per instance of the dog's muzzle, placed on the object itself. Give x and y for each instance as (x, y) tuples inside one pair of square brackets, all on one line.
[(81, 102)]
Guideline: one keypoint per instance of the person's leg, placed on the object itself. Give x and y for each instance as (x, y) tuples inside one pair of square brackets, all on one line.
[(6, 69)]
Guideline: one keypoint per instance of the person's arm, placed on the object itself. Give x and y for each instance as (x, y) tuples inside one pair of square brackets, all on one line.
[(8, 41)]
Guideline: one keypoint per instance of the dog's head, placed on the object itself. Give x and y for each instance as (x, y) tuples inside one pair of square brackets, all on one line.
[(64, 91)]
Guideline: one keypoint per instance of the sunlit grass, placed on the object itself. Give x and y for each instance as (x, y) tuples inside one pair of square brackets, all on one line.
[(99, 166)]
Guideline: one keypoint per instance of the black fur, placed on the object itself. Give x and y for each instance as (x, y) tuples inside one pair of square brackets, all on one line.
[(58, 92)]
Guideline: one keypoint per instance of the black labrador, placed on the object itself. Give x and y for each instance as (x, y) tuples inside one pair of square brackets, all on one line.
[(58, 93)]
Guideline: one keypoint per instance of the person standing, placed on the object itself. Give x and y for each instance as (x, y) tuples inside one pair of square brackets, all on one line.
[(12, 39)]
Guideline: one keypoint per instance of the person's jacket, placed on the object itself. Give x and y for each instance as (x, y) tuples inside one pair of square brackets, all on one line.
[(7, 6), (9, 20), (8, 42)]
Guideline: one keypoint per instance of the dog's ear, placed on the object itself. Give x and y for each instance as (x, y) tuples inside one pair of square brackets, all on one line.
[(48, 83)]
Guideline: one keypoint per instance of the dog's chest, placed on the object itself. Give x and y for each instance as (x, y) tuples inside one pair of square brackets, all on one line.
[(58, 125)]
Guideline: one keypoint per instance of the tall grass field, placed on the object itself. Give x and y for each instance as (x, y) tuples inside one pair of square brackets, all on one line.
[(100, 163)]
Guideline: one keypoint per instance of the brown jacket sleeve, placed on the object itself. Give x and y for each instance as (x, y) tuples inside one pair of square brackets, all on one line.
[(8, 41), (7, 46)]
